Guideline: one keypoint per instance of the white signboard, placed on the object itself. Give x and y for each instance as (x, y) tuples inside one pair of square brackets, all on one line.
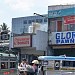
[(22, 41), (62, 37)]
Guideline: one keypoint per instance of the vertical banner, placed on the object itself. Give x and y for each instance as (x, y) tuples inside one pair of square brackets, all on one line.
[(69, 20)]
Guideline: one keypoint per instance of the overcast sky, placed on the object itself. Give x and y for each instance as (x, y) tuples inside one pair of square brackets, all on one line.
[(19, 8)]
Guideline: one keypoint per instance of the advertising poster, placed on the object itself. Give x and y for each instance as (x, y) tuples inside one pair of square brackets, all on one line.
[(69, 20), (22, 41)]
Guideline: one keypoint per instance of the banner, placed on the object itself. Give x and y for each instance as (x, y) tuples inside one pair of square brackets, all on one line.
[(69, 20), (65, 37), (61, 12), (62, 37), (22, 41)]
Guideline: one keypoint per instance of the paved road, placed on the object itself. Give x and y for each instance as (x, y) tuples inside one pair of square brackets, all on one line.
[(48, 73), (60, 73), (8, 72)]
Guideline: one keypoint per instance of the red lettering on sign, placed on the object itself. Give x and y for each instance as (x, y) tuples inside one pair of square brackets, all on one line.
[(20, 41), (69, 20)]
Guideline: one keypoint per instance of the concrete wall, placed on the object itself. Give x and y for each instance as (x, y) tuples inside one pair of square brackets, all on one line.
[(31, 51), (39, 44), (40, 40)]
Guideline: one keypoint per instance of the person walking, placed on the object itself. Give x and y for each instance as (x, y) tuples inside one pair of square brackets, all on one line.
[(23, 64), (35, 66)]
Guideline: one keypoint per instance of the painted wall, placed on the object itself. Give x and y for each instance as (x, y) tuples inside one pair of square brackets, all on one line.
[(40, 40), (61, 12)]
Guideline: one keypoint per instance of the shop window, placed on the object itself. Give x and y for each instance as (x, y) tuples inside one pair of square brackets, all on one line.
[(33, 20), (12, 64), (30, 21), (64, 28), (59, 26), (23, 56), (25, 22), (39, 20), (52, 26), (67, 63), (71, 27), (73, 63), (45, 20), (4, 65)]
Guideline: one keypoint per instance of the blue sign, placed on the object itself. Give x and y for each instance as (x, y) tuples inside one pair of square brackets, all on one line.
[(62, 12), (65, 38)]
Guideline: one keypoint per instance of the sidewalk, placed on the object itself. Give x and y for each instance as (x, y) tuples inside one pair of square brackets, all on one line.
[(8, 72)]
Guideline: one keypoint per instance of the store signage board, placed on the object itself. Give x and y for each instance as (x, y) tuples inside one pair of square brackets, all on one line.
[(22, 41)]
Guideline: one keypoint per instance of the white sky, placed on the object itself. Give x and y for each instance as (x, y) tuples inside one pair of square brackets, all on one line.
[(19, 8)]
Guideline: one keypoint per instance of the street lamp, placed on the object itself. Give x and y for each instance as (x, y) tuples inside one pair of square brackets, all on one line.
[(41, 15)]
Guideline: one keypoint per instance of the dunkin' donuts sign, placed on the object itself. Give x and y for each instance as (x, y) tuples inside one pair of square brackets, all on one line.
[(22, 41)]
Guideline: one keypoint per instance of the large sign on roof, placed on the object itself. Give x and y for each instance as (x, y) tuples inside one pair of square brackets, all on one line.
[(61, 12)]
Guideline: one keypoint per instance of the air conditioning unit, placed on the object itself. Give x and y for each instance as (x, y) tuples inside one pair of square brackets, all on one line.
[(36, 26)]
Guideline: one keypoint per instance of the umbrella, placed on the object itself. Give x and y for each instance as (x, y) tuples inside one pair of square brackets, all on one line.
[(35, 61)]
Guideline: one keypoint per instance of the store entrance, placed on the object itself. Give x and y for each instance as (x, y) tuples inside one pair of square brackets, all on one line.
[(68, 52)]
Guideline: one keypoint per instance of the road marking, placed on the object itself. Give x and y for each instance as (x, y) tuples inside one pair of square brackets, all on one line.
[(67, 73)]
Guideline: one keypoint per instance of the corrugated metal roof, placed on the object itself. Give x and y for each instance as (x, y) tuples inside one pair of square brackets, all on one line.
[(7, 55), (58, 7), (4, 44)]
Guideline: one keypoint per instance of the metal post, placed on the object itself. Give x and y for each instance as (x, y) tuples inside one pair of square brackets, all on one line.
[(9, 63), (0, 60)]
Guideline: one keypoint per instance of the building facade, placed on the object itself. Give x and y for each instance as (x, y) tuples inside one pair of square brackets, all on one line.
[(8, 59), (7, 62), (36, 47), (21, 25), (61, 30)]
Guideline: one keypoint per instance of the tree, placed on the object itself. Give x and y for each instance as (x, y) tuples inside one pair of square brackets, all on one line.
[(4, 28)]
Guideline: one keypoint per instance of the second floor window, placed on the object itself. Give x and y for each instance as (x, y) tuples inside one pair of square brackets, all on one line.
[(45, 20), (59, 26), (71, 27), (39, 20), (25, 22), (30, 21), (52, 26)]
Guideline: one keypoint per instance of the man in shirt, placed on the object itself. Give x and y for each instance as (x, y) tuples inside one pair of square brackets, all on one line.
[(23, 64)]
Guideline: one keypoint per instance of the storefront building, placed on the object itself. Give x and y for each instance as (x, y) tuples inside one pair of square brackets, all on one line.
[(7, 61), (21, 25), (29, 45), (61, 30)]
